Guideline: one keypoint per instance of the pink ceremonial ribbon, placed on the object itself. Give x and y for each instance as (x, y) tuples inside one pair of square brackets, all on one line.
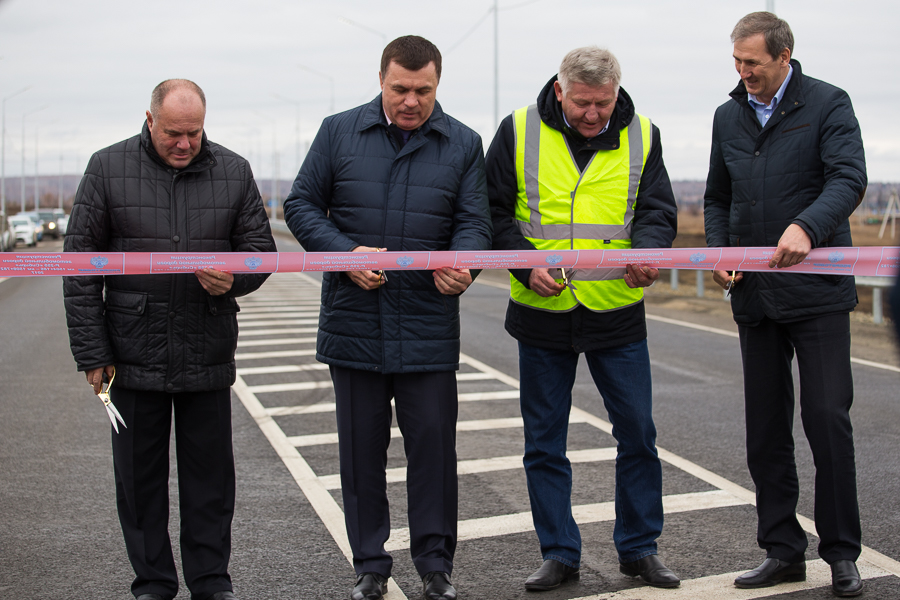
[(878, 261)]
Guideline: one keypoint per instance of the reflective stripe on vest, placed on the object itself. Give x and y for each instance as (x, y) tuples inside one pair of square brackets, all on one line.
[(559, 207)]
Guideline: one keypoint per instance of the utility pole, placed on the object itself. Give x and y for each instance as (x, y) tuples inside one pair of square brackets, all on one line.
[(497, 66), (59, 192), (770, 6), (3, 153), (37, 196), (23, 151)]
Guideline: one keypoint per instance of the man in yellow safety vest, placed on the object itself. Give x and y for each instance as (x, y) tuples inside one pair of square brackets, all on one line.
[(582, 170)]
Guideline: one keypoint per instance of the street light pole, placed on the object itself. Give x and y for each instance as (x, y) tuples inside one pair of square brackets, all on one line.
[(3, 153), (23, 151), (297, 104), (496, 66)]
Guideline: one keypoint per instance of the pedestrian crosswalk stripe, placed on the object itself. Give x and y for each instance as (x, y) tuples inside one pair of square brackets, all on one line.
[(277, 322), (275, 354), (473, 529), (288, 314), (280, 331), (281, 369), (275, 342), (296, 386)]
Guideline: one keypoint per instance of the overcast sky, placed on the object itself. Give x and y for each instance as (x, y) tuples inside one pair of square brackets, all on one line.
[(93, 63)]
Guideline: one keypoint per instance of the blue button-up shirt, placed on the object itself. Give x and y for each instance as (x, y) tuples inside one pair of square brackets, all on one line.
[(763, 112)]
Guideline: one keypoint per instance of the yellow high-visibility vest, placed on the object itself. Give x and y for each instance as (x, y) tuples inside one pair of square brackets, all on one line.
[(562, 208)]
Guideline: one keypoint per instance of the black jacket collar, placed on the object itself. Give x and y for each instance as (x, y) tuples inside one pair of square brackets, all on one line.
[(204, 159), (374, 115), (551, 113)]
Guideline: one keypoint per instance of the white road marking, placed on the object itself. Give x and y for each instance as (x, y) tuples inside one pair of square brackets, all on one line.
[(859, 361), (275, 354), (282, 369), (280, 322), (721, 587), (474, 529), (871, 563), (486, 465), (493, 284), (502, 395), (296, 386), (276, 342), (246, 332), (280, 315)]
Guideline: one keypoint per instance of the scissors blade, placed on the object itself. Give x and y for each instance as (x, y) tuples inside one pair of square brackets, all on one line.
[(112, 408), (112, 418)]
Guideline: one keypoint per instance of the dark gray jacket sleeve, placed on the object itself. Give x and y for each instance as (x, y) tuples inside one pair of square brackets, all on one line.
[(306, 207), (83, 296), (717, 197), (251, 233), (842, 155)]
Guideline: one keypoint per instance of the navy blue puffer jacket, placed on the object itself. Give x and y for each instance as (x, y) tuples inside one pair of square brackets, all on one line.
[(805, 167), (357, 188)]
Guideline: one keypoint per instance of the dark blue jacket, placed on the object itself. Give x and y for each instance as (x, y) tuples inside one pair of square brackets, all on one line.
[(357, 188), (806, 167)]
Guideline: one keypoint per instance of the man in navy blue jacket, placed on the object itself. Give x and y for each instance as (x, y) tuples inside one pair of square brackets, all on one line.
[(396, 174), (787, 169)]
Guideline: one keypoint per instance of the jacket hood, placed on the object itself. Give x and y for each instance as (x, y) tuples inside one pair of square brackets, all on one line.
[(551, 112), (150, 149), (794, 87)]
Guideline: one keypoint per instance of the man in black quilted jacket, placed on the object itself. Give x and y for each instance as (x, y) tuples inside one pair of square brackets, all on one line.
[(787, 168), (396, 174), (169, 339)]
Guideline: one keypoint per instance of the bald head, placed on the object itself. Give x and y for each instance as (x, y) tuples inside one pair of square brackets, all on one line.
[(175, 120), (185, 86)]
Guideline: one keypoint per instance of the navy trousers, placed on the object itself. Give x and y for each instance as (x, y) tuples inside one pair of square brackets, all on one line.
[(822, 345), (426, 405), (206, 484)]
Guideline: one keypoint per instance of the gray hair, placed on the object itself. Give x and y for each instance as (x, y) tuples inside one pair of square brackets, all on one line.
[(776, 31), (591, 66), (170, 85)]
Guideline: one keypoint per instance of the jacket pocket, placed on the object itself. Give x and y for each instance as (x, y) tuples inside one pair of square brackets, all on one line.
[(221, 331), (127, 324)]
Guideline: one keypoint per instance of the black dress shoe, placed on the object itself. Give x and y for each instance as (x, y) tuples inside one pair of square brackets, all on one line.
[(223, 595), (369, 586), (149, 597), (437, 586), (550, 576), (770, 572), (845, 579), (652, 571)]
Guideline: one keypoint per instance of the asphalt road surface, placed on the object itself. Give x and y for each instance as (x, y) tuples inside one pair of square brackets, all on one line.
[(60, 538)]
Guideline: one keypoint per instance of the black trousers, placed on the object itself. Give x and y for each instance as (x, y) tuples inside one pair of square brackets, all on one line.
[(822, 345), (426, 405), (206, 483)]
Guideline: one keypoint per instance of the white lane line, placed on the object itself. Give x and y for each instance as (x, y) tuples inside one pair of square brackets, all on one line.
[(721, 587), (493, 284), (319, 498), (474, 529), (475, 425), (502, 395), (276, 354), (486, 465), (280, 307), (245, 332), (2, 279), (859, 361), (287, 314), (283, 411), (297, 386), (280, 322), (282, 369), (276, 342), (472, 376)]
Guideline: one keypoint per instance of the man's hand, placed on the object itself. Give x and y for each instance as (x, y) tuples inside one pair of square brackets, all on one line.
[(723, 277), (367, 280), (640, 275), (793, 247), (95, 377), (451, 282), (215, 282), (542, 284)]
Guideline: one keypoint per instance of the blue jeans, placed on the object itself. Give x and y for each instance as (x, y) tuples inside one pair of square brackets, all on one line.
[(622, 375)]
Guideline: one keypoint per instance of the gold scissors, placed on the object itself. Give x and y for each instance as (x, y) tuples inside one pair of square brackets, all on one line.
[(730, 284), (566, 281), (110, 407)]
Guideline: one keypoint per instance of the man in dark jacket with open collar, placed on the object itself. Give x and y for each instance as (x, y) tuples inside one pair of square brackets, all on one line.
[(787, 169), (168, 339), (581, 169), (396, 174)]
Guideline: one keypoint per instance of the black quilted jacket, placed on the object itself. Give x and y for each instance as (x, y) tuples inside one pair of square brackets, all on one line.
[(806, 167), (162, 332), (356, 188)]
